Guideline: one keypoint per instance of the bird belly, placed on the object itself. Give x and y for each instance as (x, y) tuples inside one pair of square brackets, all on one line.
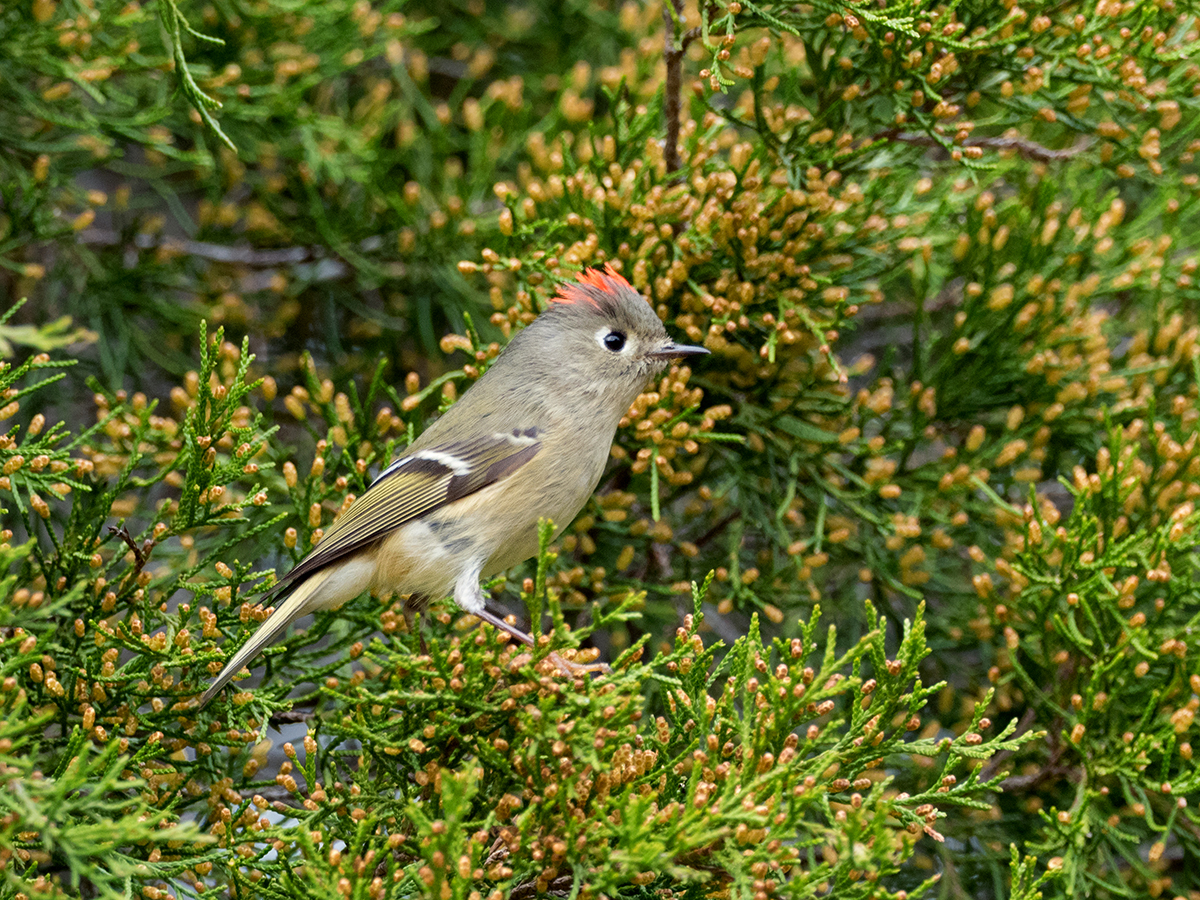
[(555, 499), (415, 560), (519, 540)]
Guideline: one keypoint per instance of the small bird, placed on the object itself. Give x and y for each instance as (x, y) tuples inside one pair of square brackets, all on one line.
[(528, 441)]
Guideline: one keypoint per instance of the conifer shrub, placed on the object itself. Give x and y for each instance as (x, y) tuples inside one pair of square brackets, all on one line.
[(898, 586)]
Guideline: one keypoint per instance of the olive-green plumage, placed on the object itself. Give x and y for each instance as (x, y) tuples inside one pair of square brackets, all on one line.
[(528, 441)]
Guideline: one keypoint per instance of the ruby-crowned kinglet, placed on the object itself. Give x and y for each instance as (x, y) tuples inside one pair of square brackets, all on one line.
[(528, 441)]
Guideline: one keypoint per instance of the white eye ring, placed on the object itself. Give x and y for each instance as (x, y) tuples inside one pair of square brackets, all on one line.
[(613, 340)]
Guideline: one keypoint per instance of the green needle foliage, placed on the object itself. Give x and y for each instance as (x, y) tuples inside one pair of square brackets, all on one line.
[(945, 258)]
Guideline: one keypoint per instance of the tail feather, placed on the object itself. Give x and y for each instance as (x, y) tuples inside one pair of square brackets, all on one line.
[(304, 599)]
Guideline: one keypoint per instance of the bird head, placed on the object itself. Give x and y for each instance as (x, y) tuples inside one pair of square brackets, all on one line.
[(589, 354), (607, 337)]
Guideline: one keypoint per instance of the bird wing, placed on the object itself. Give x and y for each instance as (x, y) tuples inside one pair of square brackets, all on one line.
[(416, 484)]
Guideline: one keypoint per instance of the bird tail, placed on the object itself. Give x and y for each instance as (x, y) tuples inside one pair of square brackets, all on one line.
[(306, 597)]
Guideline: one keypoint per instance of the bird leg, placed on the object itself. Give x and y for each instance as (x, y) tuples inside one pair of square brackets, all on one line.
[(571, 669), (421, 633), (469, 596), (414, 615)]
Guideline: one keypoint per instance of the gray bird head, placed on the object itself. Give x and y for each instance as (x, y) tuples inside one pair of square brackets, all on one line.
[(586, 358), (605, 337)]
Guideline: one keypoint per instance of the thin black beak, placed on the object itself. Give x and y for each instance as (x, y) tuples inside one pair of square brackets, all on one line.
[(671, 350)]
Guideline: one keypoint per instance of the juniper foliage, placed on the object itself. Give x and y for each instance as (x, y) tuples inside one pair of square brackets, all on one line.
[(945, 259)]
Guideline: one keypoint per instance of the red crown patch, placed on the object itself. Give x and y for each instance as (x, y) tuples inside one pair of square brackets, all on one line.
[(609, 282)]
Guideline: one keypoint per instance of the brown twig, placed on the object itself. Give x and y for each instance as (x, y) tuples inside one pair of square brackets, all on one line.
[(291, 717), (1015, 784), (141, 555), (560, 886), (673, 55), (1026, 148), (273, 794), (993, 765), (1051, 769)]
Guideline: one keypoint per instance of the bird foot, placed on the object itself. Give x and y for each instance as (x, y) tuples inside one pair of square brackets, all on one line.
[(579, 670), (568, 667)]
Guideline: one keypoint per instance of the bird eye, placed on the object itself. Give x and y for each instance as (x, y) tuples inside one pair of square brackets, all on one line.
[(614, 341)]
